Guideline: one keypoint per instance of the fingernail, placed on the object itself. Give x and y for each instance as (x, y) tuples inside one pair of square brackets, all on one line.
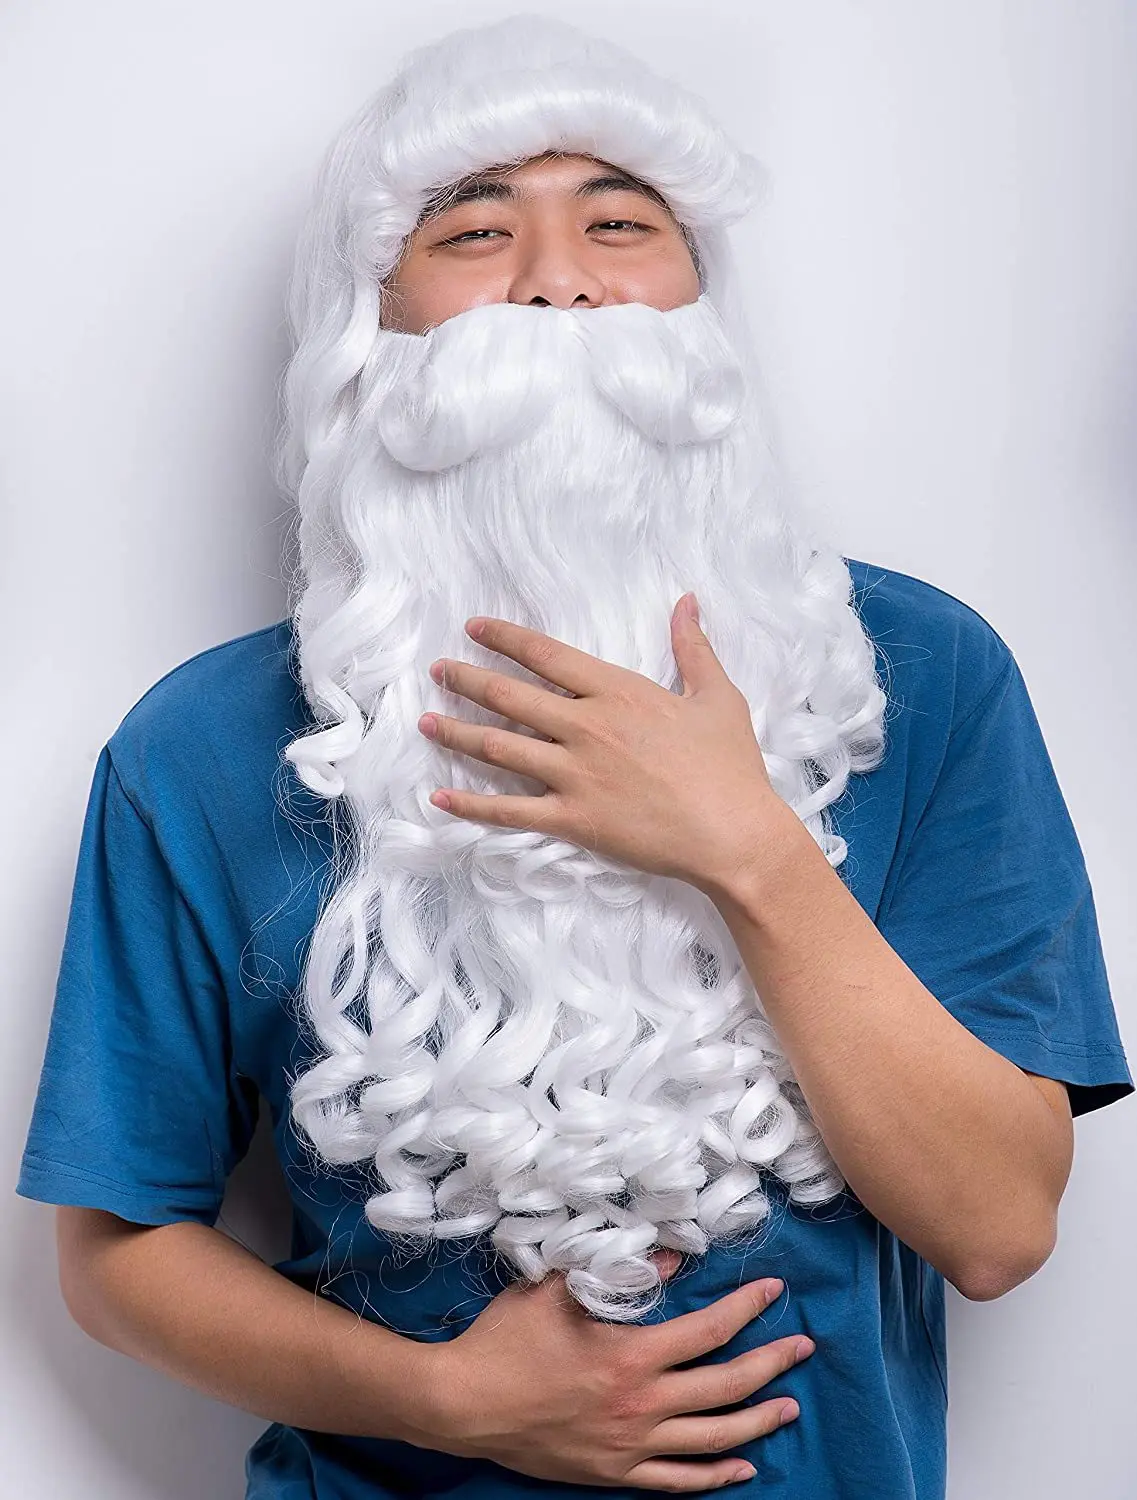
[(774, 1290), (692, 606), (740, 1474), (804, 1347), (790, 1411)]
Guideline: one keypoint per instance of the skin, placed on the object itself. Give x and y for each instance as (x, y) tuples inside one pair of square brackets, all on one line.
[(964, 1156), (556, 231), (534, 1383)]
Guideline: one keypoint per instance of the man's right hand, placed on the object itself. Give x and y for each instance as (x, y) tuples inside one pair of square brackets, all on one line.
[(537, 1384)]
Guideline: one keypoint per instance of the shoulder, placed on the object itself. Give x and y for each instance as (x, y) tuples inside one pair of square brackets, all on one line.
[(933, 649), (942, 666), (224, 711)]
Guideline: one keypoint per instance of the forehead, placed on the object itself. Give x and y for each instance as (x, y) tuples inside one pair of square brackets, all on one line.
[(552, 173)]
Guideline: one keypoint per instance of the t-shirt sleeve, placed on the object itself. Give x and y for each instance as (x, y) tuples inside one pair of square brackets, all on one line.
[(139, 1110), (993, 909)]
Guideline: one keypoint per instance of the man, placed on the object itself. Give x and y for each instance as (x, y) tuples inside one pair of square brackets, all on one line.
[(586, 955)]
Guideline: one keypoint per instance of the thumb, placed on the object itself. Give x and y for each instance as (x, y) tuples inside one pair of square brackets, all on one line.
[(694, 655), (667, 1262)]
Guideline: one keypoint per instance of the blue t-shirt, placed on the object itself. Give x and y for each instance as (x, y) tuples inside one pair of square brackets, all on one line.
[(200, 868)]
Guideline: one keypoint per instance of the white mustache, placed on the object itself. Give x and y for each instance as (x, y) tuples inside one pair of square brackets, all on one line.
[(486, 377)]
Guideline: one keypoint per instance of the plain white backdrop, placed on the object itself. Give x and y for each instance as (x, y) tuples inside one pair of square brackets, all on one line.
[(943, 284)]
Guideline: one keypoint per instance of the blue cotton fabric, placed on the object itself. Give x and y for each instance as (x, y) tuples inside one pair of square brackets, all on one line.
[(200, 868)]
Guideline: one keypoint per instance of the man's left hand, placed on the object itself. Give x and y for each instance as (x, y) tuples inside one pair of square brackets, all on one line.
[(672, 785)]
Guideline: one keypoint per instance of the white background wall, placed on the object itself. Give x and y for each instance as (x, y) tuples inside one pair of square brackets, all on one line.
[(943, 280)]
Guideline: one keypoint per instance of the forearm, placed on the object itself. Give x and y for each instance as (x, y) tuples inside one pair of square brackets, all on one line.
[(188, 1301), (948, 1143)]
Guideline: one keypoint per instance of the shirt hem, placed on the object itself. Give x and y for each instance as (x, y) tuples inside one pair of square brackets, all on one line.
[(46, 1181)]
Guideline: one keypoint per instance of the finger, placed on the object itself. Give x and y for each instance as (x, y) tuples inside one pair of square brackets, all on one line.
[(727, 1430), (538, 814), (523, 702), (694, 655), (708, 1386), (695, 1333), (555, 661), (538, 759), (685, 1479), (667, 1262)]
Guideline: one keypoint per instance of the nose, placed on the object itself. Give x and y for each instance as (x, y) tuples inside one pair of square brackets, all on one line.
[(555, 273)]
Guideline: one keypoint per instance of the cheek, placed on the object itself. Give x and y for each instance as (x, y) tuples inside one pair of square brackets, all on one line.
[(428, 293), (662, 280)]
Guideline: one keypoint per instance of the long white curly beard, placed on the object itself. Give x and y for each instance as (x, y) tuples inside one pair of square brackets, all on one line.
[(523, 1038)]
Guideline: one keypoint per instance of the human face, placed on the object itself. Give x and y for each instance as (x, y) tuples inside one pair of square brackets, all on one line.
[(556, 231)]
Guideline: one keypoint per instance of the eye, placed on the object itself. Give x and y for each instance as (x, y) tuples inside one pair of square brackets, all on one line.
[(621, 224), (468, 236)]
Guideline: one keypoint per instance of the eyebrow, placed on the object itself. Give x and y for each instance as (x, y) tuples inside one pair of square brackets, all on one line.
[(480, 189)]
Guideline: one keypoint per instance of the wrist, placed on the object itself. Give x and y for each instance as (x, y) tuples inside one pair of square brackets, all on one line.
[(391, 1386), (430, 1413), (741, 883)]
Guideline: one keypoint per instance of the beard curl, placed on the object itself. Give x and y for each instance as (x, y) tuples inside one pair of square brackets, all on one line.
[(524, 1039)]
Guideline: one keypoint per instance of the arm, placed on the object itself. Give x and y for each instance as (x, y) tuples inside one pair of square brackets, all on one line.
[(947, 1142), (188, 1301), (944, 1139), (533, 1384), (141, 1013)]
